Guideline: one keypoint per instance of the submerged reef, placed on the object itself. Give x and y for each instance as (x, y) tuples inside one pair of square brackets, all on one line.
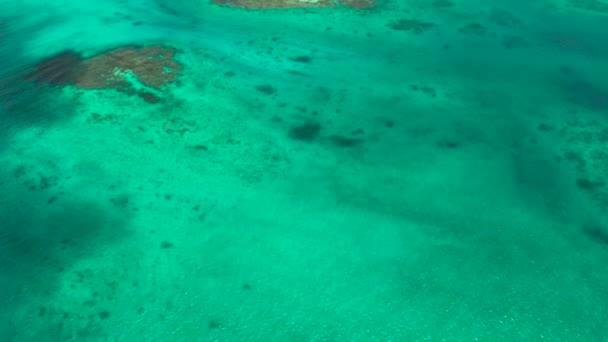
[(133, 69), (261, 4), (153, 66)]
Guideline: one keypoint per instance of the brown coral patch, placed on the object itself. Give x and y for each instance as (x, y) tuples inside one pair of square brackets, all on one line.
[(127, 69), (359, 4), (152, 66), (261, 4), (266, 4)]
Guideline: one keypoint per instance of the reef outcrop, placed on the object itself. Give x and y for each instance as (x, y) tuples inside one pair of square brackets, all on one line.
[(133, 69), (267, 4)]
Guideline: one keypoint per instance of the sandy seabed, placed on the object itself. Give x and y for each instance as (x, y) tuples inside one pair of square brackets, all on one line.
[(415, 171)]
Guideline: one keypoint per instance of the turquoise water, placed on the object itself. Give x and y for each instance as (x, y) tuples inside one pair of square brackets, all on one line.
[(418, 171)]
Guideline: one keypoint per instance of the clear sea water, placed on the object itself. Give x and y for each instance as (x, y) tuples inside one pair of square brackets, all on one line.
[(418, 171)]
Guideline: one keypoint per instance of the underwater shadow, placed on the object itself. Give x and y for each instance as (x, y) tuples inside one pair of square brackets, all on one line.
[(41, 238), (23, 103)]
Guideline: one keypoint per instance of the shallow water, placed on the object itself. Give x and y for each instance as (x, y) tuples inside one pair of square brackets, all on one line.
[(418, 171)]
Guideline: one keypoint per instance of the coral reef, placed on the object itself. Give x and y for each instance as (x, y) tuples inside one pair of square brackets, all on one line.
[(251, 4), (140, 70), (358, 4), (260, 4), (152, 66)]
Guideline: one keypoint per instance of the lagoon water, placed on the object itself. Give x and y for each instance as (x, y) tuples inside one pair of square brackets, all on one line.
[(196, 171)]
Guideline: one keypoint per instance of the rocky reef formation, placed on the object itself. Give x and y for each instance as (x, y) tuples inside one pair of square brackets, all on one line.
[(261, 4), (140, 70)]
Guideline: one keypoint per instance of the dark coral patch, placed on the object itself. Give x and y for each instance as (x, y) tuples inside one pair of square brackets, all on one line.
[(411, 25), (307, 132)]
